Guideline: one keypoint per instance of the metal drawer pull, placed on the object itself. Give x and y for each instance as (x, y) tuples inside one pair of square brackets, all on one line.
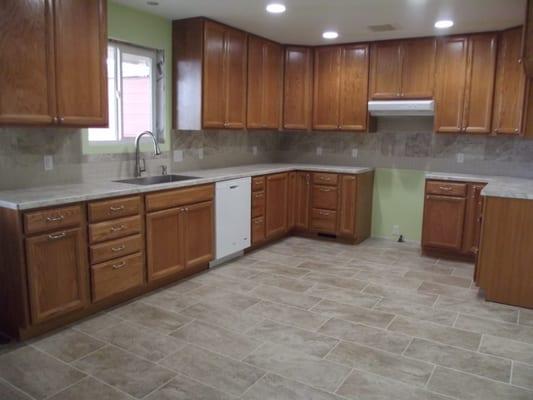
[(258, 195), (120, 265), (118, 228), (323, 213), (55, 219), (258, 222), (117, 249), (445, 188), (325, 190), (57, 236), (325, 179), (116, 209)]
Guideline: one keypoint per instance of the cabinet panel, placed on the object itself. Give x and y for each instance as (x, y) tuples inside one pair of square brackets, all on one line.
[(236, 78), (327, 88), (302, 198), (258, 230), (164, 243), (199, 232), (291, 201), (114, 208), (81, 71), (52, 219), (324, 221), (347, 205), (443, 222), (297, 107), (418, 68), (28, 86), (214, 82), (276, 205), (386, 70), (474, 209), (354, 88), (118, 228), (258, 204), (450, 84), (57, 274), (325, 197), (116, 248)]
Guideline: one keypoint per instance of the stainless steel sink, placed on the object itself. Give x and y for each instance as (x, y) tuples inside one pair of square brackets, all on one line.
[(154, 180)]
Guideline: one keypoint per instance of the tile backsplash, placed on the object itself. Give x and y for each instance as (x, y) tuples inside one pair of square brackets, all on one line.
[(406, 143)]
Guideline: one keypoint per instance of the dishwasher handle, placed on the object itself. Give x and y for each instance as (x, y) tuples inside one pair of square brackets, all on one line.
[(234, 186)]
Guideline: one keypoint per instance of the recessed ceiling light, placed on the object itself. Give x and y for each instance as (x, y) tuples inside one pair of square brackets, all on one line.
[(276, 8), (330, 35), (444, 24)]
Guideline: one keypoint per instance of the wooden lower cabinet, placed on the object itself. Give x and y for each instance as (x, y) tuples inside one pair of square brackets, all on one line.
[(258, 230), (57, 274), (199, 234), (302, 200), (347, 211), (277, 191)]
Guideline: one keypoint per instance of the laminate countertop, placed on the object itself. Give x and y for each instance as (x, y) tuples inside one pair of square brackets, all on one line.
[(46, 196), (497, 186)]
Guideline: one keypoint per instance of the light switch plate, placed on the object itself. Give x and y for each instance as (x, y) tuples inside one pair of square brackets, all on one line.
[(48, 163), (319, 151), (178, 155), (460, 158), (355, 153)]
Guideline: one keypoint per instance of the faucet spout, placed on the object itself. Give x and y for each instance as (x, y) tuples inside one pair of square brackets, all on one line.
[(157, 151)]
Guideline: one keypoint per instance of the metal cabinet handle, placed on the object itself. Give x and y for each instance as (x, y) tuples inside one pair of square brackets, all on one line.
[(117, 249), (55, 120), (118, 228), (120, 265), (323, 213), (325, 190), (445, 188), (55, 219), (116, 209), (57, 236), (260, 221)]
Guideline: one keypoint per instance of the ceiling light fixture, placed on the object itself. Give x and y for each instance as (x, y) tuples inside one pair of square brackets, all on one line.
[(444, 24), (276, 8), (330, 35)]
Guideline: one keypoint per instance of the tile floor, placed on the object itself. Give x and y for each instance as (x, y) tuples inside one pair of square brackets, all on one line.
[(300, 319)]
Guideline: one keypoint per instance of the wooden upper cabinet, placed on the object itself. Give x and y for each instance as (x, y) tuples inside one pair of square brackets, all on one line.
[(510, 84), (527, 51), (214, 90), (265, 69), (450, 83), (53, 63), (297, 94), (327, 78), (386, 67), (277, 191), (235, 75)]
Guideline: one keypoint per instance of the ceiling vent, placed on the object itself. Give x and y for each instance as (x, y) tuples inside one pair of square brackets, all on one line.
[(382, 28)]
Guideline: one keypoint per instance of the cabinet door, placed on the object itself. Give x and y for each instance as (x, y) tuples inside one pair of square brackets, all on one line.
[(26, 63), (480, 83), (386, 67), (57, 274), (302, 197), (327, 88), (510, 84), (81, 53), (291, 201), (450, 84), (164, 243), (297, 108), (276, 205), (353, 107), (443, 222), (199, 233), (474, 208), (418, 68), (236, 79), (214, 92), (347, 205), (256, 82)]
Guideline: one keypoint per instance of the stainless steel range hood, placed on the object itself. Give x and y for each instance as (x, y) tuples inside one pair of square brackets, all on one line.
[(401, 108)]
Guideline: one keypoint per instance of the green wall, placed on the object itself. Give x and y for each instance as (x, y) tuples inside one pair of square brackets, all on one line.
[(136, 27), (398, 200)]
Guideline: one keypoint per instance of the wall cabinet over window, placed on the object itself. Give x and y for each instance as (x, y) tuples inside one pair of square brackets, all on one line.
[(209, 75), (53, 63)]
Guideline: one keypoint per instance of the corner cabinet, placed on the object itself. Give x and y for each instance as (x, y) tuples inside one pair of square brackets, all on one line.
[(209, 69), (53, 63)]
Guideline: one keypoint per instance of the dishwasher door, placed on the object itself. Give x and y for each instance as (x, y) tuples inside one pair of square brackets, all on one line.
[(233, 216)]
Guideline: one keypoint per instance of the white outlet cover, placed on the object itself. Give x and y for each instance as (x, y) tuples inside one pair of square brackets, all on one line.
[(355, 153), (460, 158), (201, 153), (319, 151), (48, 163), (177, 155), (254, 150)]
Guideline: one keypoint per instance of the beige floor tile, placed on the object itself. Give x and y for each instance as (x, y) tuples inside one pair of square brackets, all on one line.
[(447, 290), (341, 270), (388, 278), (478, 307), (217, 371), (287, 315), (287, 297), (470, 387), (352, 313), (36, 373), (299, 366), (417, 311), (97, 323), (152, 317), (183, 287), (440, 278), (219, 280), (332, 280), (90, 389), (183, 388), (506, 348), (170, 301), (520, 333), (233, 270), (460, 359), (294, 285), (344, 296), (220, 315), (437, 333), (10, 393), (219, 296), (400, 294), (523, 375), (526, 317), (365, 335)]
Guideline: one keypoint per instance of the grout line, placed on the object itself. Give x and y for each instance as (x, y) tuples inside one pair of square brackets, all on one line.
[(16, 389)]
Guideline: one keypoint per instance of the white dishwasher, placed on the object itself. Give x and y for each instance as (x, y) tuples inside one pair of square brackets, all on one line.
[(233, 218)]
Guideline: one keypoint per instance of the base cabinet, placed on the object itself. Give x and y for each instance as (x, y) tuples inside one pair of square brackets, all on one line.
[(302, 200), (276, 213), (199, 234)]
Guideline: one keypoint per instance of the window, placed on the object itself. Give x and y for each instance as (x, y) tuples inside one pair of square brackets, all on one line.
[(132, 89)]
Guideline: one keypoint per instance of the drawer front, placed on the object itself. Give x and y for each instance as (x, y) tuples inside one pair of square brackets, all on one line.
[(258, 183), (324, 221), (110, 278), (321, 178), (52, 219), (258, 230), (325, 197), (179, 197), (111, 209), (114, 229), (258, 204), (116, 248), (446, 188)]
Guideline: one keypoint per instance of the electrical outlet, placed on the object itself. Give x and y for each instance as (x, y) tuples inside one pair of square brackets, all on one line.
[(254, 150), (355, 152), (319, 151), (178, 155), (460, 158), (396, 230), (48, 163), (201, 153)]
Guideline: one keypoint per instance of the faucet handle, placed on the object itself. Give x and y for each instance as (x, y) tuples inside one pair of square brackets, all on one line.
[(164, 170)]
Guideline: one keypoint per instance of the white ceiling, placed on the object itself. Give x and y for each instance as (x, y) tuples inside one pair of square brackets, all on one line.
[(305, 20)]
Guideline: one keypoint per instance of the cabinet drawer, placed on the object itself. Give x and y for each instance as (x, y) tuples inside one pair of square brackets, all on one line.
[(113, 277), (325, 179), (116, 248), (324, 221), (258, 230), (325, 197), (116, 208), (179, 197), (115, 229), (52, 219), (446, 188), (258, 183), (258, 204)]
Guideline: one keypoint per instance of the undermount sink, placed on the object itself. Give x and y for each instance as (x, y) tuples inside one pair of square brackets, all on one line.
[(154, 180)]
